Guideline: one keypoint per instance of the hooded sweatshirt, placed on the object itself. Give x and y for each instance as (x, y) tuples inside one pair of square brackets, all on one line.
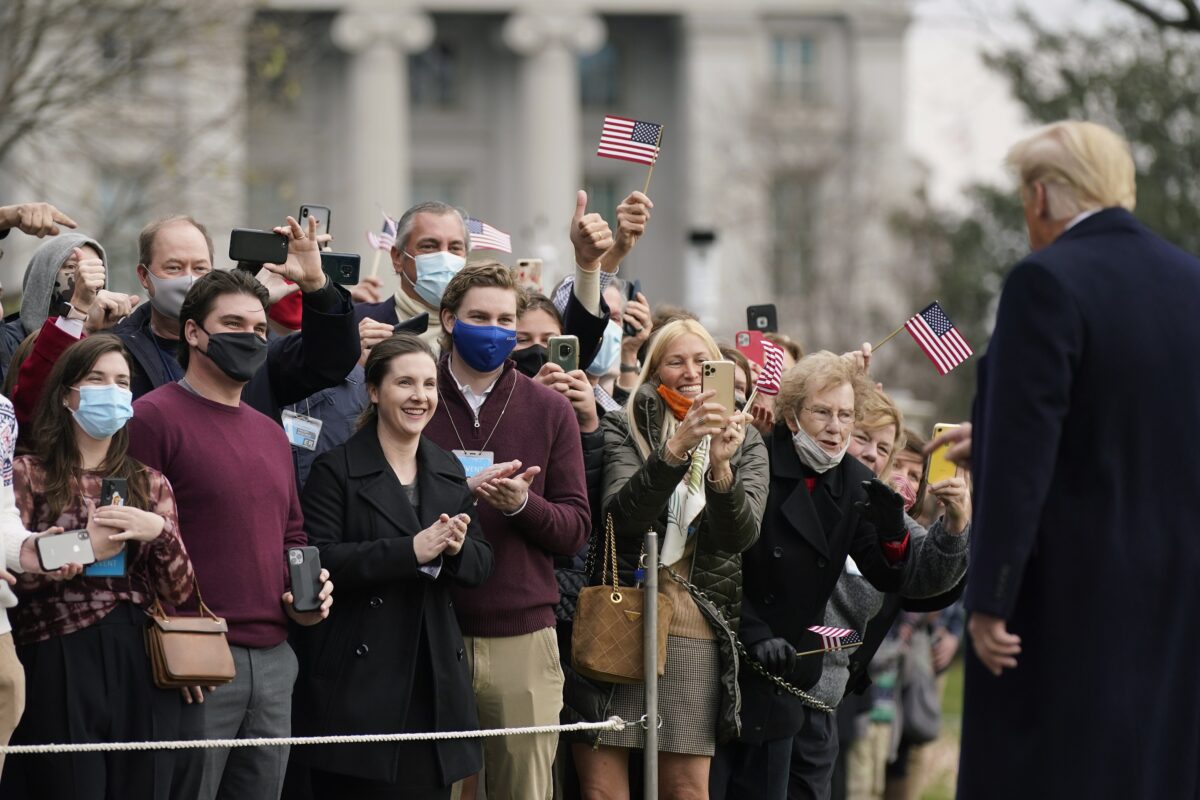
[(37, 287)]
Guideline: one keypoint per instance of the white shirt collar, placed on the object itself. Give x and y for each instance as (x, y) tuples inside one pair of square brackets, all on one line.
[(1078, 218), (475, 401)]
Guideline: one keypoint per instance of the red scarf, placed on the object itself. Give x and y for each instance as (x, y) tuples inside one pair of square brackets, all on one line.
[(677, 403)]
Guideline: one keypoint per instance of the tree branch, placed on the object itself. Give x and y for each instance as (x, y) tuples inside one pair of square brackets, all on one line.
[(1189, 22)]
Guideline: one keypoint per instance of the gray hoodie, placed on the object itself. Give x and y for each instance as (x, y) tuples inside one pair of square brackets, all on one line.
[(37, 286)]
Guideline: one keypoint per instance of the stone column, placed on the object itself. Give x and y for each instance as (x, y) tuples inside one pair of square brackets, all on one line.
[(379, 38), (550, 40)]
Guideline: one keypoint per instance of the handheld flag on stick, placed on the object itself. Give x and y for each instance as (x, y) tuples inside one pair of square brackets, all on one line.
[(937, 337), (485, 237), (631, 140), (771, 376), (833, 639), (382, 242)]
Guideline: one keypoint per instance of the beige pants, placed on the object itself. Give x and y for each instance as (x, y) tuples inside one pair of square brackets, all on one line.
[(866, 763), (12, 690), (518, 682)]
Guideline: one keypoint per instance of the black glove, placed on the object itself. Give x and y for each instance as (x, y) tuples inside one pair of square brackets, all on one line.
[(775, 654), (884, 509)]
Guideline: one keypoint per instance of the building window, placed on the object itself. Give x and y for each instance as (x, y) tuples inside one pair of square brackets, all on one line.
[(794, 200), (600, 78), (439, 186), (603, 198), (433, 77), (796, 69)]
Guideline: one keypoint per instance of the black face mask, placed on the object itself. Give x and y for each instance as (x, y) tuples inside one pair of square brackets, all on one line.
[(238, 355), (530, 360)]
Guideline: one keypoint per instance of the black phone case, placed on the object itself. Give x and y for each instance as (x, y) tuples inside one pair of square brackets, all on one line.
[(111, 486), (762, 318), (258, 247), (631, 293), (341, 268), (304, 567)]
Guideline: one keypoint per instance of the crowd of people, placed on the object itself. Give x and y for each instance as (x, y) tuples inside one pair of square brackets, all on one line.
[(452, 474)]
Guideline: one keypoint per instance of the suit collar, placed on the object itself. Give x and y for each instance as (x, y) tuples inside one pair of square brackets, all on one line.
[(436, 477), (815, 515), (1102, 221)]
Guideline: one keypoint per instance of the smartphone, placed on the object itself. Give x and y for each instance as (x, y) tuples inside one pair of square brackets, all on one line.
[(564, 351), (750, 344), (529, 272), (304, 567), (762, 318), (320, 213), (939, 468), (718, 376), (632, 290), (341, 267), (259, 247), (113, 492), (72, 547)]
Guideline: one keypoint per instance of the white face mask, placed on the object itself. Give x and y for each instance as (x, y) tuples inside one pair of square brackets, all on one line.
[(812, 454)]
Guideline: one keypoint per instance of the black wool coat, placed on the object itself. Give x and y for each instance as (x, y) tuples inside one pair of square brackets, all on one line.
[(1086, 531), (390, 658), (791, 570)]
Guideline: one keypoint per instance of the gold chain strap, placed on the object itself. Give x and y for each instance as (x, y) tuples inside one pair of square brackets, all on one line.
[(610, 556), (803, 696)]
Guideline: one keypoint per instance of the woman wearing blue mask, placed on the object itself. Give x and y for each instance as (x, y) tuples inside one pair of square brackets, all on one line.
[(80, 640)]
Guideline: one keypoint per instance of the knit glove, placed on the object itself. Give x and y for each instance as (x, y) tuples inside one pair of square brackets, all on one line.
[(775, 654), (884, 509)]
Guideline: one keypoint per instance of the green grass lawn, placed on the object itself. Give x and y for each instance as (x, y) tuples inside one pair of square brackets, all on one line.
[(943, 760)]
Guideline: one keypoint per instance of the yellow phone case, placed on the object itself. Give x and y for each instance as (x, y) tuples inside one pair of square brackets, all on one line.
[(939, 468)]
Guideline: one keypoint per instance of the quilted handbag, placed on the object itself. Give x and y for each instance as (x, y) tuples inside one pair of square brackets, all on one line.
[(606, 643)]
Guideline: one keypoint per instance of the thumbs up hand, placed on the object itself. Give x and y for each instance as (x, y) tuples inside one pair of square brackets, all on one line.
[(590, 234)]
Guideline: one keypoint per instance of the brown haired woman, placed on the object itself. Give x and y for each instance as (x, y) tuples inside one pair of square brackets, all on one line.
[(80, 640)]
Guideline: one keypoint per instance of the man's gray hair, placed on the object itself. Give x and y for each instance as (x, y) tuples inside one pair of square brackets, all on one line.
[(437, 208)]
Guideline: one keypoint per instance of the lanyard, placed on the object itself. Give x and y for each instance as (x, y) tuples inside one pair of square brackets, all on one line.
[(458, 436)]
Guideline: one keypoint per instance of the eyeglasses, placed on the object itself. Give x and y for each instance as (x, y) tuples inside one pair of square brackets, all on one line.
[(823, 415)]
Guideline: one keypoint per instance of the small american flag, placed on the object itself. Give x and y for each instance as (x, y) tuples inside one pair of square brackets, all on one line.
[(386, 239), (836, 638), (937, 336), (630, 140), (772, 372), (485, 237)]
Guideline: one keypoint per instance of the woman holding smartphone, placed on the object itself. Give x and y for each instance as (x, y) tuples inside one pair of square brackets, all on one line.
[(698, 474), (394, 520), (80, 640)]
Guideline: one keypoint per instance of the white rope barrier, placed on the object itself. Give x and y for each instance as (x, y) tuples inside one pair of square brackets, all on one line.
[(611, 724)]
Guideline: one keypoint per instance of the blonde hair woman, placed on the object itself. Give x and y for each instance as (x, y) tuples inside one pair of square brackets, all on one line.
[(696, 473)]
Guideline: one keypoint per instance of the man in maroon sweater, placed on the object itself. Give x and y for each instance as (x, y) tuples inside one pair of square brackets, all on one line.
[(231, 469), (519, 444)]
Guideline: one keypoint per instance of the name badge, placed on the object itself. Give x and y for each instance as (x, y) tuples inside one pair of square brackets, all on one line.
[(302, 431), (474, 461)]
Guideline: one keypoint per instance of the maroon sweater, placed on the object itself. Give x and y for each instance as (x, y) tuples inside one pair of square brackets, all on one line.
[(540, 429), (231, 469)]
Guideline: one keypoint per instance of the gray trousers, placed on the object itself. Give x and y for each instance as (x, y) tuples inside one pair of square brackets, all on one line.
[(258, 703)]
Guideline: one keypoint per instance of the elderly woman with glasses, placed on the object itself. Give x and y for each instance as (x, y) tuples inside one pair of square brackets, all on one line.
[(823, 506)]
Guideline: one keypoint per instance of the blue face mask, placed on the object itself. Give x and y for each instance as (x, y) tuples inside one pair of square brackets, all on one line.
[(103, 410), (609, 352), (434, 271), (483, 347)]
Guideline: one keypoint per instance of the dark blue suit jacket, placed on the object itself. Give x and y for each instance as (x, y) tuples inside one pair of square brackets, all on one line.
[(1087, 523)]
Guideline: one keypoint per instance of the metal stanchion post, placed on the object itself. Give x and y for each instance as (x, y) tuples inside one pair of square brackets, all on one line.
[(650, 661)]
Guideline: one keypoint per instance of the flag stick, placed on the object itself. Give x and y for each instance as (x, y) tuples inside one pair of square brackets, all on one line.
[(750, 400), (375, 264), (814, 652), (889, 337), (650, 174)]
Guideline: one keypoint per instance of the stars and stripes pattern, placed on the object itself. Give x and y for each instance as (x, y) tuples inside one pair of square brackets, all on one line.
[(386, 239), (485, 237), (771, 375), (937, 336), (836, 638), (630, 140)]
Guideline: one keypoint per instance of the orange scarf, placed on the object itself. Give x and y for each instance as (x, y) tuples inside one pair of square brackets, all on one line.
[(678, 404)]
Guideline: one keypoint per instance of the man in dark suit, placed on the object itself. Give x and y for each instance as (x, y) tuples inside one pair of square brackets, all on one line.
[(1083, 587)]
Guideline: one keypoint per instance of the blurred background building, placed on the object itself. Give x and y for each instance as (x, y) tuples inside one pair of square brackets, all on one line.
[(784, 136)]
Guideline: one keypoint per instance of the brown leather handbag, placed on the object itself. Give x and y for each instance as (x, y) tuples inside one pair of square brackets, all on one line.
[(188, 651), (606, 643)]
